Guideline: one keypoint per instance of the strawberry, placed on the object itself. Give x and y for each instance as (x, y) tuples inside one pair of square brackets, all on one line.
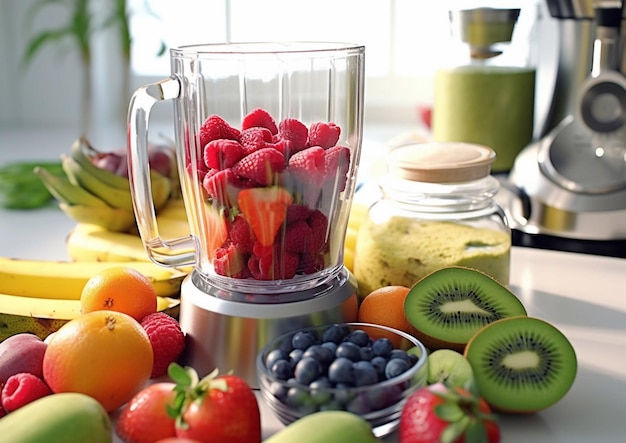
[(215, 127), (259, 118), (325, 135), (262, 166), (144, 419), (222, 154), (216, 408), (216, 229), (265, 210), (167, 340), (438, 413), (217, 184), (296, 131), (21, 389), (308, 166), (276, 264)]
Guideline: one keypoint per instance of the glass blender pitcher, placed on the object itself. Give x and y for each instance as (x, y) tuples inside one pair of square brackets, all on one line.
[(268, 139)]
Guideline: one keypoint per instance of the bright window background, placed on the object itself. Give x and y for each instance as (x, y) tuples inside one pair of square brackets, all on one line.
[(405, 40)]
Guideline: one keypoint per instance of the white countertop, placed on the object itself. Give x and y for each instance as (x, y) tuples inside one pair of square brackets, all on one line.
[(583, 295)]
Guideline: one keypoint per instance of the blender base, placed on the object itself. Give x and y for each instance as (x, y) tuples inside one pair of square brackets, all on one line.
[(227, 334)]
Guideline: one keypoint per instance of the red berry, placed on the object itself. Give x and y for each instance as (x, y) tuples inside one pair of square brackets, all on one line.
[(319, 225), (261, 166), (325, 135), (296, 213), (215, 127), (336, 165), (21, 389), (308, 166), (144, 419), (241, 235), (218, 183), (166, 338), (275, 266), (296, 131), (222, 154), (256, 138), (298, 237), (259, 118), (228, 261)]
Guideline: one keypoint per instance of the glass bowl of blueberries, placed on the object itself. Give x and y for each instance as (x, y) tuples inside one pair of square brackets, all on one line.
[(363, 368)]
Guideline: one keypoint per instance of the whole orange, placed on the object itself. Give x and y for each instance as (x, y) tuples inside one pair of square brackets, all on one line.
[(104, 354), (385, 306), (120, 289)]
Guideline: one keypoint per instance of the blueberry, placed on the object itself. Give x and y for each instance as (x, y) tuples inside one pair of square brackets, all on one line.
[(348, 350), (295, 356), (281, 369), (299, 398), (364, 373), (366, 353), (278, 390), (358, 337), (322, 354), (399, 353), (379, 364), (330, 345), (334, 334), (273, 356), (307, 370), (344, 393), (340, 371), (382, 347), (303, 339), (395, 367), (320, 393)]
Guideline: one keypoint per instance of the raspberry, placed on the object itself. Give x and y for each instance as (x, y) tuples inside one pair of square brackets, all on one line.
[(296, 213), (222, 154), (284, 146), (319, 224), (21, 389), (308, 166), (241, 235), (228, 261), (215, 127), (296, 131), (336, 164), (298, 237), (217, 184), (255, 138), (325, 135), (310, 263), (259, 118), (166, 338), (275, 266), (262, 166), (201, 170)]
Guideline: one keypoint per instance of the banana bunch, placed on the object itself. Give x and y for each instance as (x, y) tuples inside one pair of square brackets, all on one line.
[(40, 296), (94, 195), (358, 212)]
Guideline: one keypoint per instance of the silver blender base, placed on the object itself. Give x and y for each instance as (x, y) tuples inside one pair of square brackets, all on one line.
[(227, 334)]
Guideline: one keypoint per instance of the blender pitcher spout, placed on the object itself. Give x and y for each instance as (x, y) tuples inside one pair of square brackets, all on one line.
[(172, 252)]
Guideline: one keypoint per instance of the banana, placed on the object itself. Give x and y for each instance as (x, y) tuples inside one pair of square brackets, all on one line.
[(174, 209), (43, 316), (65, 280), (112, 219), (64, 191), (92, 243), (113, 196)]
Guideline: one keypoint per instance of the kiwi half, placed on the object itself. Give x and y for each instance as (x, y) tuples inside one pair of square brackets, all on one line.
[(448, 306), (521, 364)]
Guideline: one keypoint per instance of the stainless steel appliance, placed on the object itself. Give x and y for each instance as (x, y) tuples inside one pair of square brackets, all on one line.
[(569, 187)]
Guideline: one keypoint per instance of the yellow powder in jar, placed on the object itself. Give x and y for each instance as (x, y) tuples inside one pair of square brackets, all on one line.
[(401, 251)]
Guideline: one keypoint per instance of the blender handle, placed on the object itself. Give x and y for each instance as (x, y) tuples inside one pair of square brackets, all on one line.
[(174, 252)]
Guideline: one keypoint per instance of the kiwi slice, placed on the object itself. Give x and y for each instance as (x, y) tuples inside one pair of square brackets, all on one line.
[(521, 364), (448, 306)]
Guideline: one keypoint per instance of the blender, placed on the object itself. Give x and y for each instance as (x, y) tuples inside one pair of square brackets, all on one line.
[(268, 140), (569, 187)]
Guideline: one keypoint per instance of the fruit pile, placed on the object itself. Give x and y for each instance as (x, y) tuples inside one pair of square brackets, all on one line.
[(272, 188), (485, 353), (319, 370)]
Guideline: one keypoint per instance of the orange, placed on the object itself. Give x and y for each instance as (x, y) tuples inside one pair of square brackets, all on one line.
[(385, 306), (104, 354), (120, 289)]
